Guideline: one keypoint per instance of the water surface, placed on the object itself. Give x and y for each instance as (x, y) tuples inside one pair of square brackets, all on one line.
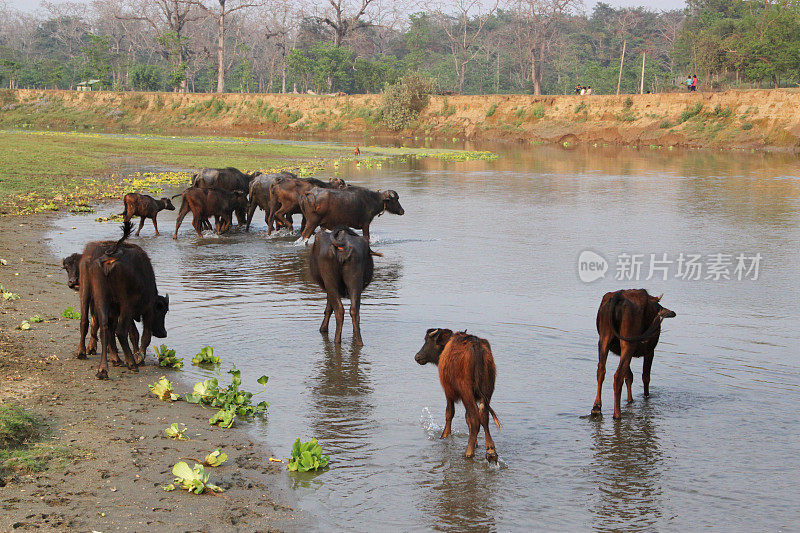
[(493, 247)]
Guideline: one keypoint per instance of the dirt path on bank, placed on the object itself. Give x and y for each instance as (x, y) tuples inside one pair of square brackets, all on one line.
[(114, 428)]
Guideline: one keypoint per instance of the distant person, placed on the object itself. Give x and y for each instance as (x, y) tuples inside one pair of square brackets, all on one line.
[(583, 91), (695, 82), (578, 89), (589, 90), (688, 83)]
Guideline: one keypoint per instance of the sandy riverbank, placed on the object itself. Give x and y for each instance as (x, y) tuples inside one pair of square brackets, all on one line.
[(118, 456), (750, 119)]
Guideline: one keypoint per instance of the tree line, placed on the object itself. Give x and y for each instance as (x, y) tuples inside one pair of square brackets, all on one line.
[(360, 46)]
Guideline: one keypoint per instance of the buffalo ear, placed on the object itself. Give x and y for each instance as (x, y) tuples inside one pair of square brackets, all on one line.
[(166, 300), (443, 336)]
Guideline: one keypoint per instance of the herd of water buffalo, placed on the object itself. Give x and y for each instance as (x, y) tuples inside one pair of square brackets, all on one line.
[(117, 284)]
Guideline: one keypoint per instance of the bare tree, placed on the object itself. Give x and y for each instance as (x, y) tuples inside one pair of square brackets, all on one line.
[(224, 9), (537, 24), (463, 27), (169, 20), (345, 17)]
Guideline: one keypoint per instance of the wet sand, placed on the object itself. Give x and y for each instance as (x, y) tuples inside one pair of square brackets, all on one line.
[(115, 428)]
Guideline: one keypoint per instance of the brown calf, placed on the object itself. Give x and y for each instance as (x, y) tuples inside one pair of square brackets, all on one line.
[(467, 373), (144, 206), (629, 324), (204, 203)]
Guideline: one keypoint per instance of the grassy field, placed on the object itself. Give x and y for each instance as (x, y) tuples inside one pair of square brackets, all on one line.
[(42, 171)]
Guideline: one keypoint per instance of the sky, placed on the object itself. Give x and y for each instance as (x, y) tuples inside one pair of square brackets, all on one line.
[(32, 5)]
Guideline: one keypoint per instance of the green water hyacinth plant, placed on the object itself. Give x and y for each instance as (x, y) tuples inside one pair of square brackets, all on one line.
[(206, 357), (71, 313), (163, 389), (176, 431), (306, 457), (167, 359), (231, 401), (192, 479)]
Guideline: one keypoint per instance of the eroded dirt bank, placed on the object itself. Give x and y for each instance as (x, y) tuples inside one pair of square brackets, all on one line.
[(114, 455), (733, 119)]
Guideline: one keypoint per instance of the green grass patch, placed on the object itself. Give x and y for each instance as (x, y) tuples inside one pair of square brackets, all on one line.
[(538, 111), (21, 446), (690, 112)]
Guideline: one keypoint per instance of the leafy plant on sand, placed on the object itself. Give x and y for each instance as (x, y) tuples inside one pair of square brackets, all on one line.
[(206, 357), (231, 400), (192, 479), (403, 101), (163, 389), (167, 359), (214, 459), (35, 319), (176, 431), (307, 456), (71, 313), (8, 295)]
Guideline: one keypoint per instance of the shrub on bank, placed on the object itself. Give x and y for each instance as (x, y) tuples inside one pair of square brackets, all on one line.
[(403, 101)]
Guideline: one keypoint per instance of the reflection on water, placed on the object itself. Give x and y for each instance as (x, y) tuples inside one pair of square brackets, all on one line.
[(627, 467), (492, 247)]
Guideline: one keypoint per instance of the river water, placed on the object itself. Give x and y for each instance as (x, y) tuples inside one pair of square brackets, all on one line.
[(493, 246)]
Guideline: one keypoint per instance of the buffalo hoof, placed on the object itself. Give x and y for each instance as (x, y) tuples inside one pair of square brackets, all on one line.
[(323, 329), (80, 356), (139, 358), (596, 410), (116, 362), (102, 374), (91, 350), (491, 455), (630, 401), (469, 455), (132, 368), (617, 416)]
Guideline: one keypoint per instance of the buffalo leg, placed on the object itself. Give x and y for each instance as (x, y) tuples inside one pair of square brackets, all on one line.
[(601, 374), (138, 353), (155, 225), (279, 215), (491, 452), (449, 413), (181, 215), (124, 323), (197, 224), (323, 328), (648, 363), (308, 231), (355, 316), (102, 369), (365, 230), (251, 209), (141, 225), (338, 310), (146, 336), (629, 384), (626, 353), (85, 301), (474, 422), (92, 348)]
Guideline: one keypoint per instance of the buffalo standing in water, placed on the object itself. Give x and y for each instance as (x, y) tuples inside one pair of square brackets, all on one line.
[(629, 324), (341, 263)]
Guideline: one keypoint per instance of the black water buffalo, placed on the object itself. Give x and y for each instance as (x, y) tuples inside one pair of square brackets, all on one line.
[(119, 286), (466, 373), (205, 203), (260, 196), (228, 179), (285, 196), (341, 263), (629, 324), (72, 264), (353, 206), (145, 207)]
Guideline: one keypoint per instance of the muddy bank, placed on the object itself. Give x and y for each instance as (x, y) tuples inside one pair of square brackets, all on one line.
[(114, 430), (750, 119)]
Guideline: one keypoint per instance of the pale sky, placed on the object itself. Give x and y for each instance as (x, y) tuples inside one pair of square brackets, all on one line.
[(32, 5)]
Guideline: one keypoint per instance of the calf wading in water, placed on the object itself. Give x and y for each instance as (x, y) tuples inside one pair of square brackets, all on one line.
[(466, 373), (629, 324), (341, 263), (144, 207)]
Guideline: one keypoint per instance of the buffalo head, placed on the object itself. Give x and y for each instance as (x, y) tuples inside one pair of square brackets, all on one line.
[(337, 183), (435, 341), (391, 203), (661, 311), (159, 313), (167, 204), (70, 264)]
